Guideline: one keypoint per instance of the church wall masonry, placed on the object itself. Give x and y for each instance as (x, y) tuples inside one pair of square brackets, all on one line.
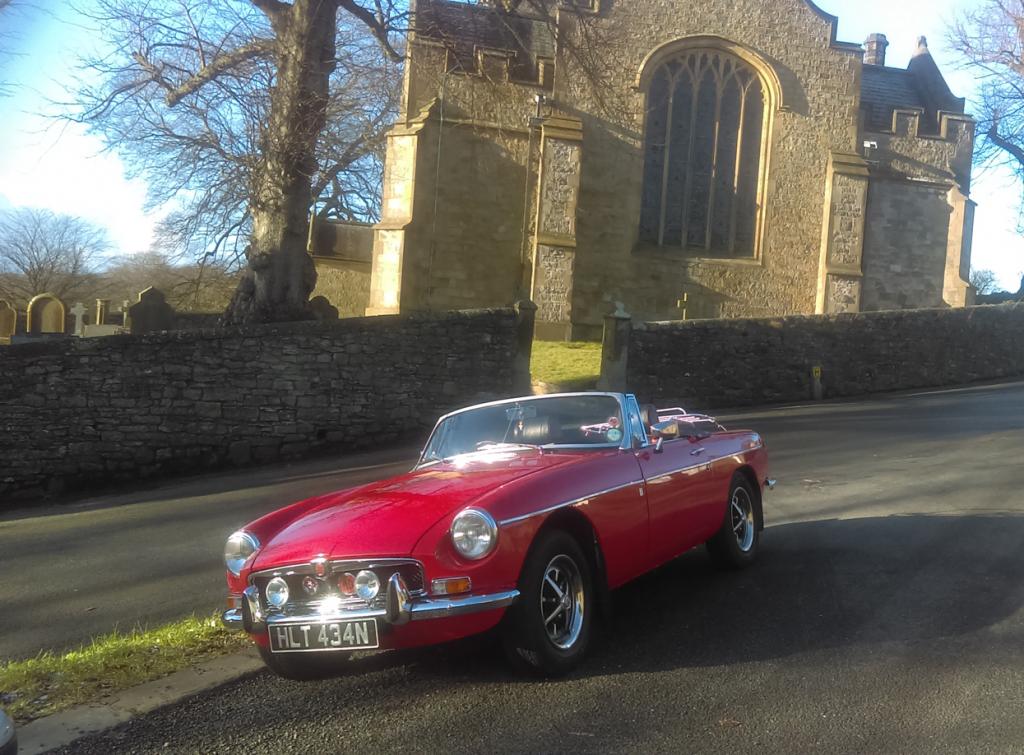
[(524, 167), (95, 411), (815, 113)]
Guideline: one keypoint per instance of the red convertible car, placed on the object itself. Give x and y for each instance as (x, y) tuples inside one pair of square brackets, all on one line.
[(521, 513)]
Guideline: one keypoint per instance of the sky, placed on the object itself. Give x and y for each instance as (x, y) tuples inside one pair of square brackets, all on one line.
[(58, 166)]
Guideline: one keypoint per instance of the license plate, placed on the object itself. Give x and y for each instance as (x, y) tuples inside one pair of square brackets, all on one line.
[(334, 635)]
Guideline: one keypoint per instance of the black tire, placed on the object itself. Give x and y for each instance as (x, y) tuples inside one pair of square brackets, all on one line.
[(735, 544), (551, 648), (305, 667)]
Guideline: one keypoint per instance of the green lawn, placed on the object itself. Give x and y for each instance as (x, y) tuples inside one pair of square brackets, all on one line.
[(52, 682), (571, 365)]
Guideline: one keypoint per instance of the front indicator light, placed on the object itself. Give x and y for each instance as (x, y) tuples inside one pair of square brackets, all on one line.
[(277, 592), (452, 586), (347, 584), (367, 585)]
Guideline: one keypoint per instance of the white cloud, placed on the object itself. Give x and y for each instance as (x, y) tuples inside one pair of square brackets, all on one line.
[(62, 168)]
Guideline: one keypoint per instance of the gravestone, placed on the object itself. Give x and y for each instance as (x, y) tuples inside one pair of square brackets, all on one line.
[(45, 315), (78, 312), (151, 313), (8, 320)]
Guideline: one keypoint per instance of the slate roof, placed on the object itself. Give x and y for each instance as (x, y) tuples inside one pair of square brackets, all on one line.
[(882, 90), (919, 85), (464, 28)]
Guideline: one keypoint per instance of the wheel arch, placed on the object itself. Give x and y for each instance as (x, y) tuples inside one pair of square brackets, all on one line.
[(581, 529), (750, 476)]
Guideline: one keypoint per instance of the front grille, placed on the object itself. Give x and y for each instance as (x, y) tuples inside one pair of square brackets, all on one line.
[(300, 601)]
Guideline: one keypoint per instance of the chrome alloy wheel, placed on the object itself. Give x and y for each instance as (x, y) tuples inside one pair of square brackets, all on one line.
[(562, 602), (741, 508)]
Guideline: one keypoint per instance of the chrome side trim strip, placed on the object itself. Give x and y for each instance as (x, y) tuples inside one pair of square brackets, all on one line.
[(573, 502), (708, 461), (581, 499)]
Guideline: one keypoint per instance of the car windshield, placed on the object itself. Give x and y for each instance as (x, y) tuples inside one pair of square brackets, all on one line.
[(556, 421)]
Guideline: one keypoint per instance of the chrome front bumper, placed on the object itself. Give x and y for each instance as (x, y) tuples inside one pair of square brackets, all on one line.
[(400, 608)]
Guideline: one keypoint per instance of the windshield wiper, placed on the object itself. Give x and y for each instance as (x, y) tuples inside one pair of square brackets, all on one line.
[(488, 445)]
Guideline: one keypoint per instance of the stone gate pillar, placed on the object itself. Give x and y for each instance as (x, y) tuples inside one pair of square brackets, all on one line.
[(554, 249), (840, 271)]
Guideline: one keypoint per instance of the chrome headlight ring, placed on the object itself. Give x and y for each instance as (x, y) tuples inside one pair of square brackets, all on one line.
[(238, 549), (474, 534)]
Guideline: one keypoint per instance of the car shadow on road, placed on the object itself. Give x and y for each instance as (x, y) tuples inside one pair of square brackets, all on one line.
[(816, 585)]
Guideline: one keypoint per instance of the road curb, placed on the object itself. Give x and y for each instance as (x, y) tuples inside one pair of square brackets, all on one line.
[(61, 729)]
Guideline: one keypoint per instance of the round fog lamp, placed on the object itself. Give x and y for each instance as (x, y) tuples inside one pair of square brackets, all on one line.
[(277, 592), (367, 585)]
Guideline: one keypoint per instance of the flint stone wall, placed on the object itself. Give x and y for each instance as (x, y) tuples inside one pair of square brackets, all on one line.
[(92, 411), (707, 364)]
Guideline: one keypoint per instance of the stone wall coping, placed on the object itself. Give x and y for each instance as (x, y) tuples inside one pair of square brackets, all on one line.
[(888, 314), (312, 327)]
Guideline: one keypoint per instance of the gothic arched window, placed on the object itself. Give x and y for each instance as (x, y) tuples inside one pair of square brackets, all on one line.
[(702, 154)]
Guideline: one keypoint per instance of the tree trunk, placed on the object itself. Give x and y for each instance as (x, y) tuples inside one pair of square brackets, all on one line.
[(280, 275)]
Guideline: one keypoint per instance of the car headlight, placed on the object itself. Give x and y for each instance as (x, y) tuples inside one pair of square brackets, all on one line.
[(277, 592), (239, 547), (474, 533)]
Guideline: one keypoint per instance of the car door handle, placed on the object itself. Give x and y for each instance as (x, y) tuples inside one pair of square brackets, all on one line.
[(697, 452)]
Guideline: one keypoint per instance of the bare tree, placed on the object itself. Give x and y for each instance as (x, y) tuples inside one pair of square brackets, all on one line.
[(42, 252), (245, 112), (5, 6), (204, 286), (990, 37), (984, 281)]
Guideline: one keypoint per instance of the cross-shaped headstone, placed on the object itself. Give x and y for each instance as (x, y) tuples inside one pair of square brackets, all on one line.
[(684, 305), (78, 312)]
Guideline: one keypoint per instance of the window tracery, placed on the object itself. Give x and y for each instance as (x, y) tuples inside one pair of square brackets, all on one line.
[(706, 121)]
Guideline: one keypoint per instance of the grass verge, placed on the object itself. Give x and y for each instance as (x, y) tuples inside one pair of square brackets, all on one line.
[(51, 682), (567, 364)]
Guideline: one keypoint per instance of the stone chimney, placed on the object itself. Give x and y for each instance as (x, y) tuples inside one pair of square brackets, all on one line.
[(874, 50), (922, 47)]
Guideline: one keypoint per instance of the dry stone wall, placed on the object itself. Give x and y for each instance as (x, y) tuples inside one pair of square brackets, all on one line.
[(707, 364), (91, 411)]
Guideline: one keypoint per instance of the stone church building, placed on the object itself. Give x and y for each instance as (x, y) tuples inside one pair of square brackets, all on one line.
[(722, 158)]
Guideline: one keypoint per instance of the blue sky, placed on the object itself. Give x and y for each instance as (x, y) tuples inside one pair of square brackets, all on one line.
[(43, 164)]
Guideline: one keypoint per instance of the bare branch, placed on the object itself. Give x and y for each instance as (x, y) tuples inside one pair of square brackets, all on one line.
[(258, 48), (379, 25)]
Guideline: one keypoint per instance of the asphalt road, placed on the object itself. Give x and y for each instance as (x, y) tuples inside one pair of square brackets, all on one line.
[(884, 615), (71, 572)]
